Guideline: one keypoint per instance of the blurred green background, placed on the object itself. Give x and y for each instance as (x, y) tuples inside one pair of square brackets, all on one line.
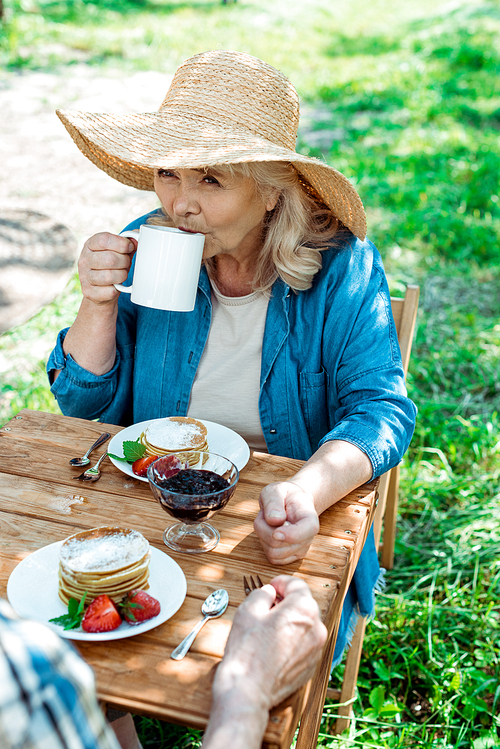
[(403, 98)]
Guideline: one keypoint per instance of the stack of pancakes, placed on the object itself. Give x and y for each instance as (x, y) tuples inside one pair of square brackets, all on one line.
[(103, 560), (175, 435)]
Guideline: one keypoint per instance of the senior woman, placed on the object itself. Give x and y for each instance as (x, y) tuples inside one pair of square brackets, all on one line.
[(291, 343)]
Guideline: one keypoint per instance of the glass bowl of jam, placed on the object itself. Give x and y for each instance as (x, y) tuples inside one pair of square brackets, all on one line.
[(192, 488)]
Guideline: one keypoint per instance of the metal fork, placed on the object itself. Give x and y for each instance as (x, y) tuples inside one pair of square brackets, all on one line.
[(251, 584), (92, 474)]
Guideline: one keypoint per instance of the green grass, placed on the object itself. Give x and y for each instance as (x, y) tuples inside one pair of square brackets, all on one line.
[(23, 356), (404, 98)]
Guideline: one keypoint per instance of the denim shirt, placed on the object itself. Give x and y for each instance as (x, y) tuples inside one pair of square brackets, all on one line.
[(330, 369)]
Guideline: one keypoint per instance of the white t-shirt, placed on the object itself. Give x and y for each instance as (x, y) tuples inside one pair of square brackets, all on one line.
[(227, 383)]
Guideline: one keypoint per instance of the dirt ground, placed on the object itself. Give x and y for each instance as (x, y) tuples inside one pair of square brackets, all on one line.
[(43, 170)]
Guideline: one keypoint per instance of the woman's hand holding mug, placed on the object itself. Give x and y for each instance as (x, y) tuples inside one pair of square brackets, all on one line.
[(166, 270), (105, 260)]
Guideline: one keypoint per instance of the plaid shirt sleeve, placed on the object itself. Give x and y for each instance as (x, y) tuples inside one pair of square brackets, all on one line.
[(47, 692)]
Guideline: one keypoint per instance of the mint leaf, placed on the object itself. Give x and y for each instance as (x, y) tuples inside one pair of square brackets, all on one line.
[(133, 450), (74, 617), (62, 620)]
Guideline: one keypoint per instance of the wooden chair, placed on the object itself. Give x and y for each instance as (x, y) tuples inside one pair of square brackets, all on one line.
[(404, 311), (405, 314)]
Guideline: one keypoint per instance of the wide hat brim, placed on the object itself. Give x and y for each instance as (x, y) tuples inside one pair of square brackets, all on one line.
[(129, 147)]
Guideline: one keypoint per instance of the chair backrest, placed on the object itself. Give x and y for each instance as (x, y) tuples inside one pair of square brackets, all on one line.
[(404, 311)]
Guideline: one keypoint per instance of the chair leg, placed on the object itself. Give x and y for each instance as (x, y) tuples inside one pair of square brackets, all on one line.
[(348, 690), (390, 519), (378, 520)]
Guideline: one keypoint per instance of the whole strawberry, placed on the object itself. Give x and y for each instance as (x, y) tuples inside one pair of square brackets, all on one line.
[(138, 606), (140, 466), (101, 616)]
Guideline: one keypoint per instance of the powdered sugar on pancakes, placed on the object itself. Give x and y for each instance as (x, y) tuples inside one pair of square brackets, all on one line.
[(103, 550), (176, 433)]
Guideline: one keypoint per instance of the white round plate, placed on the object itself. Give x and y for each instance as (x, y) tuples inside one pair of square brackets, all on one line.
[(33, 584), (221, 440)]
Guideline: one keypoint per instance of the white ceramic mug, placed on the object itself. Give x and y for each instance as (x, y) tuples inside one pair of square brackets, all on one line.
[(167, 268)]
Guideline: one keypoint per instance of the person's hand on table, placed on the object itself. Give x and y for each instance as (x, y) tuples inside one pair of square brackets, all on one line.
[(105, 260), (270, 653), (287, 522), (288, 519), (274, 649)]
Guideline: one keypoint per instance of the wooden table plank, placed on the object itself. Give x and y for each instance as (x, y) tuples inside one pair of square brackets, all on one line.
[(41, 503)]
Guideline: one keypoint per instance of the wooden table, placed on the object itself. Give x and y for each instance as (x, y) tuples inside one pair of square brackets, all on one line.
[(40, 503)]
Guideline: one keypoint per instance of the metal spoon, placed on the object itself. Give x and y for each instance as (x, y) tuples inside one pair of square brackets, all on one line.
[(84, 461), (92, 474), (212, 607)]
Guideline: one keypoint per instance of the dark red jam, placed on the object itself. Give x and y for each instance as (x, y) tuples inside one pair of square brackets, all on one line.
[(192, 495), (194, 481)]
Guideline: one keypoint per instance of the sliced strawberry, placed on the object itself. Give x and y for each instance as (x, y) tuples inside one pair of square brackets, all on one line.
[(138, 606), (140, 466), (101, 616), (167, 467)]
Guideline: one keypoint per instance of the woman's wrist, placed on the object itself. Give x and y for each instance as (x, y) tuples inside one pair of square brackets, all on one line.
[(91, 340), (335, 469), (99, 311)]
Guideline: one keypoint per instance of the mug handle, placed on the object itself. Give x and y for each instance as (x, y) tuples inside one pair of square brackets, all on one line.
[(118, 286)]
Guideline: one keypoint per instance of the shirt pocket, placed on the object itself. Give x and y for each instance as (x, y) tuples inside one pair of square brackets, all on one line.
[(314, 404)]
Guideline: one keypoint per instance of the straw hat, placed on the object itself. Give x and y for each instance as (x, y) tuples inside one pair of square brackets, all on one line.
[(221, 108)]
